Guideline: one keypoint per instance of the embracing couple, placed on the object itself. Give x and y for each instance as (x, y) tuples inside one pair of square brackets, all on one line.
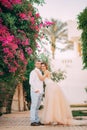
[(56, 108)]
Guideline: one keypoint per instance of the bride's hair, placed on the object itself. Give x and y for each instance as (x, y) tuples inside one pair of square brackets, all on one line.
[(45, 64)]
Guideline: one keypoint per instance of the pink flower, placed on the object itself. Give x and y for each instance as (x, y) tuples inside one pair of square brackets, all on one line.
[(26, 42), (29, 50), (23, 16), (36, 28), (14, 46), (16, 1), (15, 63), (6, 50), (3, 30), (10, 42), (32, 20), (47, 23), (21, 55), (40, 25), (17, 41), (10, 55), (6, 3), (37, 15), (1, 38), (12, 69), (25, 62), (10, 3), (29, 14)]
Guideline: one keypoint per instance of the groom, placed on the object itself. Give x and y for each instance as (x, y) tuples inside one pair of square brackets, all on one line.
[(36, 94)]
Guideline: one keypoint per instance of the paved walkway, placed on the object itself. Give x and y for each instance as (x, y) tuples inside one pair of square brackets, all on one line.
[(20, 121)]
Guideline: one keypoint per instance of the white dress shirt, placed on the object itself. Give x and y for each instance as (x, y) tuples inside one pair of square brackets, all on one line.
[(35, 82)]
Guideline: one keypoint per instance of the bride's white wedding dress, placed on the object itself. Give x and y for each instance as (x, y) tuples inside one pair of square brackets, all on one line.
[(56, 107)]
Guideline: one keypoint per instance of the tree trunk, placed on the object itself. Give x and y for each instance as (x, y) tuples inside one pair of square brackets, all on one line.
[(53, 41), (6, 95)]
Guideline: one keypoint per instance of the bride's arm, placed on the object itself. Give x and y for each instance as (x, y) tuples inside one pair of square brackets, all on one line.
[(42, 77)]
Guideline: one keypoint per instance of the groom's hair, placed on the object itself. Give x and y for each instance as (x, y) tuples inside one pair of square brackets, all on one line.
[(37, 60)]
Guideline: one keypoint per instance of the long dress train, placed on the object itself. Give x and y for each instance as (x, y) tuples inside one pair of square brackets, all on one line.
[(56, 108)]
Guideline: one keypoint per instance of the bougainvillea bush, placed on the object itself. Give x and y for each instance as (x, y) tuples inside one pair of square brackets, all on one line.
[(20, 32), (20, 24)]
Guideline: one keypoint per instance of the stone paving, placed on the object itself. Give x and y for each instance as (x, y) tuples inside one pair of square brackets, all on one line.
[(20, 121)]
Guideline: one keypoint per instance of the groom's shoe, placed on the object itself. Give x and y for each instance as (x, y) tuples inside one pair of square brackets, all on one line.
[(35, 124)]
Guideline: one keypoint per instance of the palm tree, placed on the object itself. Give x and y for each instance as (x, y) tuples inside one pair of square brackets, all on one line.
[(56, 32)]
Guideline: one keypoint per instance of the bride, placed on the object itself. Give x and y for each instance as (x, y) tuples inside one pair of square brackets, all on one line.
[(56, 108)]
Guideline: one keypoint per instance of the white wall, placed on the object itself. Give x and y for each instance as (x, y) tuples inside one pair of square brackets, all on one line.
[(76, 81)]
